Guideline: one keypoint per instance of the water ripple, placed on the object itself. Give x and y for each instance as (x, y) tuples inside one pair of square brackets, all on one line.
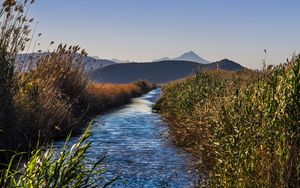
[(133, 139)]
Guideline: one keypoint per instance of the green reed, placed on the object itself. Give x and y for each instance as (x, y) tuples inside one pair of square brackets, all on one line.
[(243, 128)]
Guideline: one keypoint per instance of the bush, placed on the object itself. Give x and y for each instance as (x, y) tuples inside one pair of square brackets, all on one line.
[(144, 85)]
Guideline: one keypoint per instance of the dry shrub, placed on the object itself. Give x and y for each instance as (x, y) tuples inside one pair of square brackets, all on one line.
[(50, 92), (62, 69)]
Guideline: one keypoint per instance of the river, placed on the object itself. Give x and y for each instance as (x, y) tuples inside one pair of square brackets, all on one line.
[(134, 139)]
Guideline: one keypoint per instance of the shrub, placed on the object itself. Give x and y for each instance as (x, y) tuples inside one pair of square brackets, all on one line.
[(144, 85)]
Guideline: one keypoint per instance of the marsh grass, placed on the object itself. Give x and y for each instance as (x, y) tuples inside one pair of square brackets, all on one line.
[(243, 127)]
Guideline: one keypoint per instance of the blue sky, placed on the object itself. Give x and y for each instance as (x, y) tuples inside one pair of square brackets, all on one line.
[(143, 30)]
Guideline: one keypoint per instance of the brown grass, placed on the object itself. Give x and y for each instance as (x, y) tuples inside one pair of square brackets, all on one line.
[(106, 96), (112, 91)]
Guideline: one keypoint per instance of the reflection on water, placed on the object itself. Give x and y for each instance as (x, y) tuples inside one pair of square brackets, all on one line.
[(133, 138)]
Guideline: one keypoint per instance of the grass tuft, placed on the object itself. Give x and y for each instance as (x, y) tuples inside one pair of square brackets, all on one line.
[(68, 168)]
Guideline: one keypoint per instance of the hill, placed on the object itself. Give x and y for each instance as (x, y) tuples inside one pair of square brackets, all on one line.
[(225, 64), (157, 72)]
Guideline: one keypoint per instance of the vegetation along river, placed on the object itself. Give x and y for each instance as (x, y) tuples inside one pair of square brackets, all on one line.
[(134, 139)]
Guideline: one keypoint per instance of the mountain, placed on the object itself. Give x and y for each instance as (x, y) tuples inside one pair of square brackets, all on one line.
[(188, 56), (157, 72), (191, 56)]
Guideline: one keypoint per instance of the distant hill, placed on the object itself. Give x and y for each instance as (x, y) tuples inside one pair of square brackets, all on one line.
[(157, 72), (91, 63), (188, 56), (108, 71), (120, 61), (225, 64)]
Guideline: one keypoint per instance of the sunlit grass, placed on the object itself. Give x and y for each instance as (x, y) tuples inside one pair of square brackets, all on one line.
[(103, 96)]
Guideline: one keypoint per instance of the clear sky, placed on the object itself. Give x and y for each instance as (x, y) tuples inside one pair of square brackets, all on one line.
[(143, 30)]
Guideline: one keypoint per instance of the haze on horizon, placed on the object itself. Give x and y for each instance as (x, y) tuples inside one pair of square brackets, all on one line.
[(145, 30)]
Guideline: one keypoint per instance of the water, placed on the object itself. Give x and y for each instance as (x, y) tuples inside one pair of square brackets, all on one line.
[(138, 151)]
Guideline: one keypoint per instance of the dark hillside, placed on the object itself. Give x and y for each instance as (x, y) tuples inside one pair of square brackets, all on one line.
[(156, 72), (225, 64)]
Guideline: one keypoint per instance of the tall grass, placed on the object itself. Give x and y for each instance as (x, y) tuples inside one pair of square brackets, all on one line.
[(262, 125), (48, 95), (47, 168), (190, 106), (43, 100), (54, 93), (244, 129), (14, 31), (50, 92)]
